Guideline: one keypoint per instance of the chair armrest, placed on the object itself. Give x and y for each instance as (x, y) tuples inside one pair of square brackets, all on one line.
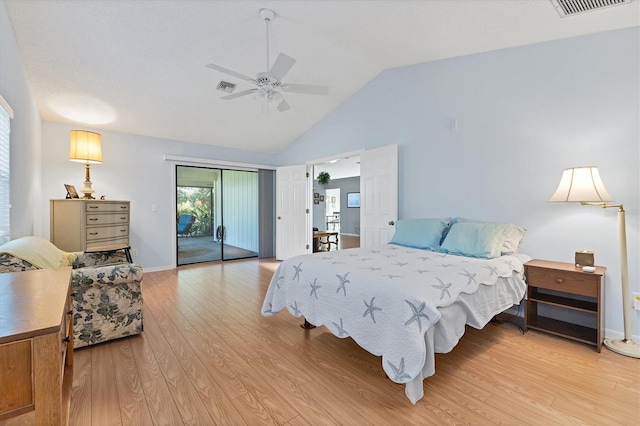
[(10, 263), (99, 259), (110, 275)]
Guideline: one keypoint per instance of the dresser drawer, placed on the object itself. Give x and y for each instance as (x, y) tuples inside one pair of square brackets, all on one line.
[(565, 281), (105, 206), (107, 218), (107, 233)]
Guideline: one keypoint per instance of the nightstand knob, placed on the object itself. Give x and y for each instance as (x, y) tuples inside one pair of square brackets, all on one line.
[(559, 280)]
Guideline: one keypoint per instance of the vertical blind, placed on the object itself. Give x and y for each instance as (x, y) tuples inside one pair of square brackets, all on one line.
[(6, 113)]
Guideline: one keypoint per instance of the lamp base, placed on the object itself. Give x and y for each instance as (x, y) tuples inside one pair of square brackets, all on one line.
[(623, 347), (87, 190)]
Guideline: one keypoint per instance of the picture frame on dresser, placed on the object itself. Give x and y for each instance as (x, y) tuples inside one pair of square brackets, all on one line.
[(71, 191)]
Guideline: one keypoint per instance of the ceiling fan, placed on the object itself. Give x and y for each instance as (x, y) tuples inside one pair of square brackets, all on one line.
[(266, 84)]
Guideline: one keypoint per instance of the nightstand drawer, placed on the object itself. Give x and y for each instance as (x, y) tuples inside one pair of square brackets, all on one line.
[(565, 281)]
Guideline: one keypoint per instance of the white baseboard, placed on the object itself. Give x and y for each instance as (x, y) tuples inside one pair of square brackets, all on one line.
[(352, 235)]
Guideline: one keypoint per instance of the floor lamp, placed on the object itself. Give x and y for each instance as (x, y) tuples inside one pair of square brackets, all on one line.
[(583, 185)]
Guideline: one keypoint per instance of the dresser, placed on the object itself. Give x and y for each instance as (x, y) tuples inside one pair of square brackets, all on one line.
[(36, 344), (89, 225)]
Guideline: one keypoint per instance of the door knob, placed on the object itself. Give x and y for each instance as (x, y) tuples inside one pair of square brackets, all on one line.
[(279, 218), (391, 223)]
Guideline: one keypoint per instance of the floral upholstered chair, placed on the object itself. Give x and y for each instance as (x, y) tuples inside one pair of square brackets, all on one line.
[(106, 292)]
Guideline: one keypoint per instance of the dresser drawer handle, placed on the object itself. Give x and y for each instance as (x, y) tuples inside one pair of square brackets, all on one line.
[(559, 280), (93, 219), (123, 230), (93, 233), (123, 207), (93, 207), (123, 217)]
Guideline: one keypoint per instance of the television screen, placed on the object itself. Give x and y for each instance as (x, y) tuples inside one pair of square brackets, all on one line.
[(353, 199)]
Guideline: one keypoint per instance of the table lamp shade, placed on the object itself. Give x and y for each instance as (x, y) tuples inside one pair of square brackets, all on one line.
[(85, 147), (581, 185)]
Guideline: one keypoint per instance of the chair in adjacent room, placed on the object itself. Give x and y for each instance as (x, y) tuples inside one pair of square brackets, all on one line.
[(185, 222)]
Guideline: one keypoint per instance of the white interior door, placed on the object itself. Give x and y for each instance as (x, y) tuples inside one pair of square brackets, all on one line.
[(291, 211), (379, 195)]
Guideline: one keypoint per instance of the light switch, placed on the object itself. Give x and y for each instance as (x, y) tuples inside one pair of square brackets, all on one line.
[(154, 207)]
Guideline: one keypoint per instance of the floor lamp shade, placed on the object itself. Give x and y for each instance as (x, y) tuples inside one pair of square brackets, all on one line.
[(583, 185), (86, 147)]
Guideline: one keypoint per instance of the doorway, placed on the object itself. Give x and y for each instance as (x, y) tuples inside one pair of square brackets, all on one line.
[(216, 214), (332, 212)]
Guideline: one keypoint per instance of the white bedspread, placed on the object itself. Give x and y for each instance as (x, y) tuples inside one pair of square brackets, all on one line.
[(386, 298)]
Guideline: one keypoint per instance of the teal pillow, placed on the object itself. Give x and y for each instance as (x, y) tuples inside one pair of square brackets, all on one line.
[(472, 239), (419, 233)]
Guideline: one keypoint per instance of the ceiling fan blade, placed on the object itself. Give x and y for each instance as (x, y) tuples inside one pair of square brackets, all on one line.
[(281, 66), (230, 72), (283, 106), (308, 89), (239, 94)]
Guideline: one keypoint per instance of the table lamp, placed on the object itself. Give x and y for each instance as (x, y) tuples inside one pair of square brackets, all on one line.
[(583, 185), (86, 147)]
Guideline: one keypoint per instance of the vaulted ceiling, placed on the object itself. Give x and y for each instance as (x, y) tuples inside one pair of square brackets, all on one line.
[(138, 66)]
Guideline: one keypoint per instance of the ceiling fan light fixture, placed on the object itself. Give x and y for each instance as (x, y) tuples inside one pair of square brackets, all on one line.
[(266, 83)]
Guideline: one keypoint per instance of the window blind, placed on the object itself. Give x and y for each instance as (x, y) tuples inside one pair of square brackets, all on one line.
[(6, 113)]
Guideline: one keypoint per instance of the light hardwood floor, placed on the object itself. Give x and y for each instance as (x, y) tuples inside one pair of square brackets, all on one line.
[(208, 357)]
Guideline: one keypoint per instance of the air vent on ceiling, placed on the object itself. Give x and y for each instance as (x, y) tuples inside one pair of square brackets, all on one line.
[(225, 86), (573, 7)]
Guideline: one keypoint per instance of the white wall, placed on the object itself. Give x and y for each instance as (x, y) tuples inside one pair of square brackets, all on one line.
[(25, 133), (134, 169), (523, 115)]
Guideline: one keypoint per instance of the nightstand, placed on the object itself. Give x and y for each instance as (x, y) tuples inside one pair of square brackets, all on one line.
[(569, 288)]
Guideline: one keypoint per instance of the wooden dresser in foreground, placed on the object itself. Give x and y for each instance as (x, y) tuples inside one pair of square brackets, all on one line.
[(36, 344), (89, 225), (564, 286)]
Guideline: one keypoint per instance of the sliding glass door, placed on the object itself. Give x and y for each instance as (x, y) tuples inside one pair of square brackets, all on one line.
[(217, 214)]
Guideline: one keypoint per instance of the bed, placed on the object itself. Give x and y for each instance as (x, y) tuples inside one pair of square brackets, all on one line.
[(407, 300)]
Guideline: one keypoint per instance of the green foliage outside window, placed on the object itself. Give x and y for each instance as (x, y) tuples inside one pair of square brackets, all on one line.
[(197, 202)]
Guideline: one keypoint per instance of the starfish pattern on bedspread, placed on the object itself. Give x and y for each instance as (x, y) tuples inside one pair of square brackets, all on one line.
[(492, 269), (296, 311), (340, 328), (418, 312), (443, 287), (279, 280), (399, 374), (469, 275), (371, 308), (314, 288), (298, 270), (341, 283)]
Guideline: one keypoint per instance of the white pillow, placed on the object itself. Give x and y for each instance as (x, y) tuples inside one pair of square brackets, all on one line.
[(514, 236)]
